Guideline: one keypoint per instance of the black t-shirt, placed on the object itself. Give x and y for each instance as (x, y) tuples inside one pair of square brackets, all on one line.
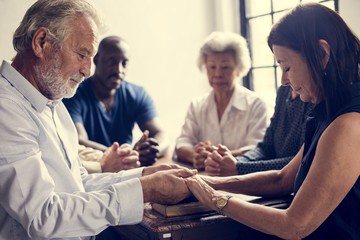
[(344, 221)]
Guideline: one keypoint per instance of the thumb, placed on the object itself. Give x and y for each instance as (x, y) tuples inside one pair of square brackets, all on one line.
[(123, 151), (184, 173), (114, 146), (145, 135)]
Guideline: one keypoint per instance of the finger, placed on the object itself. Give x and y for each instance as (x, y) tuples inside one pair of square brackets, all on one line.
[(148, 154), (144, 136), (142, 145), (199, 149), (131, 166), (228, 154), (154, 150), (130, 160), (123, 151), (211, 163), (184, 173), (148, 144), (199, 145), (210, 148), (198, 165), (205, 153), (125, 145), (146, 161), (212, 171), (133, 153), (190, 180), (222, 148), (215, 155), (199, 160), (153, 141), (114, 146)]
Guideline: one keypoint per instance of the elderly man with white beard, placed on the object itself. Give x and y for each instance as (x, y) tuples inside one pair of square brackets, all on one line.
[(45, 192)]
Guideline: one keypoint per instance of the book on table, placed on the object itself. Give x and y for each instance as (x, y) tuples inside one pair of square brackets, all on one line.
[(192, 206)]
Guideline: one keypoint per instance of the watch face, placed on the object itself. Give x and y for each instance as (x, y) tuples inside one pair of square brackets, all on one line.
[(221, 202)]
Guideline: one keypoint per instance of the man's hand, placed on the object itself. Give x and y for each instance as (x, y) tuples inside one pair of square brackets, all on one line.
[(148, 149), (117, 158), (161, 167), (201, 152), (167, 186), (221, 163)]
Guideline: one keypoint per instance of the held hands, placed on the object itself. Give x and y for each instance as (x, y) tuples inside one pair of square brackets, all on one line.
[(117, 158), (202, 191), (201, 152), (148, 149), (161, 167), (166, 186), (220, 162)]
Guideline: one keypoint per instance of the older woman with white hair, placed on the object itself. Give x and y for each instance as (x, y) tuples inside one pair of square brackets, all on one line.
[(230, 114)]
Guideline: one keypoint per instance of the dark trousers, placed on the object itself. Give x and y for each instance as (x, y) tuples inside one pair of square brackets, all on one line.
[(108, 234)]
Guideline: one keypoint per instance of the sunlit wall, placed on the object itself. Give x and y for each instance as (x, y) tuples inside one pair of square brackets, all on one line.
[(164, 36)]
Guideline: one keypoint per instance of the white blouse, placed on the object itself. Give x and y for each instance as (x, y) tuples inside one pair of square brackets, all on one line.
[(242, 125)]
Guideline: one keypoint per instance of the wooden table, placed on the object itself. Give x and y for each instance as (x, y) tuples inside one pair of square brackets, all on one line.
[(155, 226), (209, 226)]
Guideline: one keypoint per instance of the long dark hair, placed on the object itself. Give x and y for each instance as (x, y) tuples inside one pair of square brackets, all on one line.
[(301, 29)]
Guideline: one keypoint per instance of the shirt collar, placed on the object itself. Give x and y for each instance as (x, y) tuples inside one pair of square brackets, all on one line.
[(238, 99), (37, 100)]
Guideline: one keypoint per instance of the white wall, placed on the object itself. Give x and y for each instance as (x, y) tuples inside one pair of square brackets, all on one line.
[(349, 10), (164, 36)]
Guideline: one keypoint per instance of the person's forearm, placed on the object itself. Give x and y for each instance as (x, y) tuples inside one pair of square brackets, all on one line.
[(268, 183), (163, 143), (237, 152), (185, 154), (92, 144), (147, 188), (265, 219)]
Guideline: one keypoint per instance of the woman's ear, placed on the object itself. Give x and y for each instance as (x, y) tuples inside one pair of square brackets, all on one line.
[(325, 47), (39, 42)]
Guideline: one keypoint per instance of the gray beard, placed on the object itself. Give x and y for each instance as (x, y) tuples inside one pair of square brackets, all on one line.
[(50, 80)]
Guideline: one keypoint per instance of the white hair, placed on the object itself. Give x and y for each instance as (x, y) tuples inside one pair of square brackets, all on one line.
[(57, 16), (223, 42)]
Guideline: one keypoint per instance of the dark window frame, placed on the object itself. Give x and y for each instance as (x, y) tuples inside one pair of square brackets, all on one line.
[(244, 30)]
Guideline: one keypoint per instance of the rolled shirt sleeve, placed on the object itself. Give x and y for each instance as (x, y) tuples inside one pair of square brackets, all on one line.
[(45, 193)]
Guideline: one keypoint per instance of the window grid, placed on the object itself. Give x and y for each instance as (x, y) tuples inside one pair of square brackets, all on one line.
[(259, 67)]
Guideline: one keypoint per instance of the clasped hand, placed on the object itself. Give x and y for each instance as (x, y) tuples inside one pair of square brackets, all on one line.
[(148, 149), (117, 158), (201, 152), (165, 183), (220, 162)]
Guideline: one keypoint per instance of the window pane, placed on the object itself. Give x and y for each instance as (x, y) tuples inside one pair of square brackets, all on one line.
[(257, 7), (264, 85), (305, 1), (259, 31), (263, 78), (279, 15), (329, 4), (278, 76), (281, 4)]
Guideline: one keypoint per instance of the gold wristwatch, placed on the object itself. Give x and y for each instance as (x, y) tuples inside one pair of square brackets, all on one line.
[(221, 202)]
